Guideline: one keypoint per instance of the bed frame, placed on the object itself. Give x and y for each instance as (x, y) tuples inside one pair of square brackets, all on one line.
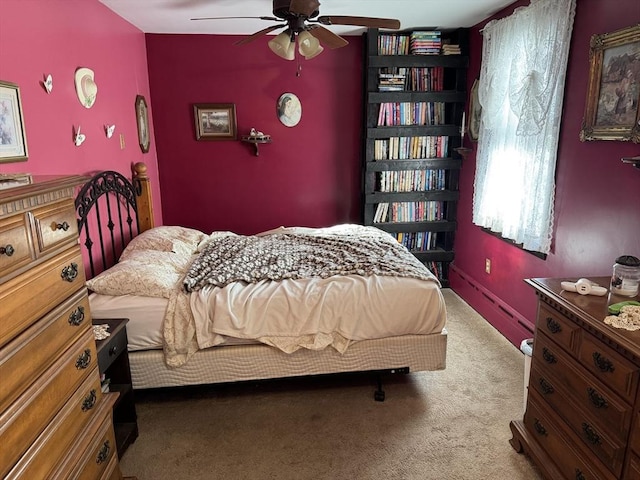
[(112, 210)]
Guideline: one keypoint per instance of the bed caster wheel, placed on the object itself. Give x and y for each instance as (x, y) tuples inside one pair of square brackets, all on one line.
[(378, 395)]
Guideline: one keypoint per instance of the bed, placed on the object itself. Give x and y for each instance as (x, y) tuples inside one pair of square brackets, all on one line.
[(296, 301)]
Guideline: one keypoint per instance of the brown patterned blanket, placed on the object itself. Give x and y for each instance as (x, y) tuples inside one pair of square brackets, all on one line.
[(297, 255)]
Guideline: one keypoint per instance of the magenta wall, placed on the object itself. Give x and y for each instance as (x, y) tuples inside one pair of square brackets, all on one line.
[(597, 205), (38, 37), (309, 175)]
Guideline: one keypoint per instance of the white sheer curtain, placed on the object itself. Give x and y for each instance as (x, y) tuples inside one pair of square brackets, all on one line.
[(521, 89)]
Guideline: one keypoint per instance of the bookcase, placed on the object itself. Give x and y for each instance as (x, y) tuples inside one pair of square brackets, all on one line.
[(414, 106)]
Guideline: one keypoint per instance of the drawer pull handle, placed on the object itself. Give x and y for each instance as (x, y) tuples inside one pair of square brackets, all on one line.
[(62, 226), (591, 434), (539, 427), (104, 452), (77, 316), (548, 356), (84, 359), (89, 401), (603, 363), (113, 350), (8, 250), (546, 387), (553, 326), (70, 272), (597, 400), (580, 475)]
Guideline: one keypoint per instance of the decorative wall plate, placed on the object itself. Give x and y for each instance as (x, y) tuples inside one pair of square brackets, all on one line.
[(289, 109)]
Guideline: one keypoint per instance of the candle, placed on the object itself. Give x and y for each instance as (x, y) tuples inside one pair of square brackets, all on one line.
[(463, 124)]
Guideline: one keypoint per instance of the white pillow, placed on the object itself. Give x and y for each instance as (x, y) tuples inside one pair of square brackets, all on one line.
[(166, 238)]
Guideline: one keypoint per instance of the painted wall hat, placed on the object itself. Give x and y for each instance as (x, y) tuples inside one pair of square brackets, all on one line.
[(86, 87)]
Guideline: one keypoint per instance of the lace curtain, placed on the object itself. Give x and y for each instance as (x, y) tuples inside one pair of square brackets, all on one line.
[(521, 89)]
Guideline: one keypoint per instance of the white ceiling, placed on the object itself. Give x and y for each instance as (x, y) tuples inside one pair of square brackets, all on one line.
[(173, 16)]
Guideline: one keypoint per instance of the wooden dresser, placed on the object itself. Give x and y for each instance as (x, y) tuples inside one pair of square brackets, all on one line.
[(54, 420), (582, 420)]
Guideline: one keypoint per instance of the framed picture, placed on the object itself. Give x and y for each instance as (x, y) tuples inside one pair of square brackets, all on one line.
[(13, 142), (142, 119), (289, 109), (475, 112), (215, 121), (611, 111)]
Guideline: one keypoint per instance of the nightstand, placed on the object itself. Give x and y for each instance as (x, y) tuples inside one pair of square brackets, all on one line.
[(113, 363)]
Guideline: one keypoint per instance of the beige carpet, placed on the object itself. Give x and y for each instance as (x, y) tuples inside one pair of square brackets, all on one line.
[(446, 425)]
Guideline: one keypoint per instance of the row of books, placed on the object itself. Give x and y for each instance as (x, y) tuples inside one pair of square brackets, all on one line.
[(424, 211), (411, 148), (411, 180), (413, 79), (425, 42), (436, 268), (416, 241), (451, 49), (411, 113)]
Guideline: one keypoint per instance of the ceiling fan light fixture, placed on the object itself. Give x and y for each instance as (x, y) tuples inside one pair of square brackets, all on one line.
[(282, 45), (308, 45)]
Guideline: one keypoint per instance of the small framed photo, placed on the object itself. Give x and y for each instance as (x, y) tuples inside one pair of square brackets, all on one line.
[(13, 142), (142, 120), (215, 121), (611, 111)]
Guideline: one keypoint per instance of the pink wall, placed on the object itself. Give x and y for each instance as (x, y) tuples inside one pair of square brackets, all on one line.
[(40, 37), (309, 175), (597, 197)]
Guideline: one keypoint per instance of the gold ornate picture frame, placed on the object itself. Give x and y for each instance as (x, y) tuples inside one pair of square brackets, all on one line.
[(142, 120), (215, 121), (612, 111), (13, 141)]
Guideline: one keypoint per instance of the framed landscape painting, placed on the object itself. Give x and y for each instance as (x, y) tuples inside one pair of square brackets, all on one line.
[(215, 121), (613, 96), (13, 142)]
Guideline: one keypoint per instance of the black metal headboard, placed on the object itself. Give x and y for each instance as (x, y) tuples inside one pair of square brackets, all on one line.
[(108, 219)]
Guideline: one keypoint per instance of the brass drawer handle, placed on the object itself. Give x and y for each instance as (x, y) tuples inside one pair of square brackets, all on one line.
[(70, 272), (546, 387), (89, 401), (603, 363), (591, 434), (553, 326), (539, 427), (83, 360), (548, 356), (77, 316), (597, 400), (62, 226), (8, 250), (103, 454)]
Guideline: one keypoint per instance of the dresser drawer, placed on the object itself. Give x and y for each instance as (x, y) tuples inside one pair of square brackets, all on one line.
[(559, 328), (609, 366), (27, 417), (54, 281), (100, 453), (27, 356), (634, 443), (56, 444), (559, 445), (632, 472), (562, 381), (15, 245), (55, 225)]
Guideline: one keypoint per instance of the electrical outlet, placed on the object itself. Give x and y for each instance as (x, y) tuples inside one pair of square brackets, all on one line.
[(487, 265)]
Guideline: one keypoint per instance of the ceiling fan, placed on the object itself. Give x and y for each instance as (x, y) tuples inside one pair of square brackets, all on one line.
[(301, 18)]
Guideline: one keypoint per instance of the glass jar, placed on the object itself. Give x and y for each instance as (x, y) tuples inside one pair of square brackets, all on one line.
[(626, 276)]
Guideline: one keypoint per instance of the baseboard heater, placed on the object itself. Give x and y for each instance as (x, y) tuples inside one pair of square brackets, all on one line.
[(505, 319)]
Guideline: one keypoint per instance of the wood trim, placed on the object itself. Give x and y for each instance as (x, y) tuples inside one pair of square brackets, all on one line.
[(142, 186)]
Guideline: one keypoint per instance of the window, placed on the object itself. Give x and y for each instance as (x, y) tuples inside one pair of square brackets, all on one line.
[(521, 89)]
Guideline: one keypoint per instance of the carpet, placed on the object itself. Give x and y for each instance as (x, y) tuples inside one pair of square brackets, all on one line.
[(446, 425)]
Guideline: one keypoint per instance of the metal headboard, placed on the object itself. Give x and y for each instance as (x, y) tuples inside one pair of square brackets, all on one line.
[(107, 211)]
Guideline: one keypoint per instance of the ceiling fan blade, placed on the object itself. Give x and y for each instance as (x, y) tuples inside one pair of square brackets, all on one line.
[(327, 37), (304, 7), (369, 22), (257, 35), (273, 19)]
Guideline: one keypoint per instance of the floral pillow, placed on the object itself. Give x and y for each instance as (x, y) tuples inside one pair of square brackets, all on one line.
[(181, 240), (148, 273)]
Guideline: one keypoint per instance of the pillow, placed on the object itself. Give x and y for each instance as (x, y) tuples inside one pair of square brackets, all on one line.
[(181, 240), (148, 273)]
